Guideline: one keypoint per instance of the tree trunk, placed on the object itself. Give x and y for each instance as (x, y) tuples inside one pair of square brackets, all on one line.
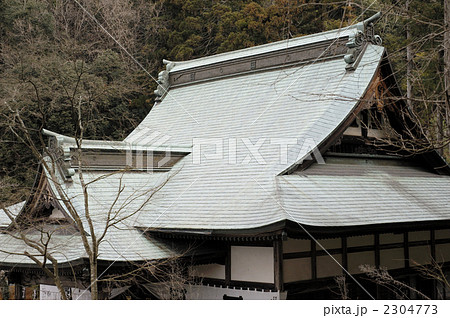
[(447, 66), (408, 57), (94, 282)]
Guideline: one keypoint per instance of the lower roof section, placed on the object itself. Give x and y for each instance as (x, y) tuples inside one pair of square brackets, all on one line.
[(362, 192), (346, 196), (128, 245)]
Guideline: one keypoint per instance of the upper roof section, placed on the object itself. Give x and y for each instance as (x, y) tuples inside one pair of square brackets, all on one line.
[(245, 129), (347, 42)]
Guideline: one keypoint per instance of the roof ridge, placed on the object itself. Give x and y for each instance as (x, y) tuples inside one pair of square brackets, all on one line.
[(263, 48)]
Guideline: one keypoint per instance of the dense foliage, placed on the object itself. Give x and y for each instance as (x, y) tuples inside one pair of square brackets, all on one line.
[(56, 60)]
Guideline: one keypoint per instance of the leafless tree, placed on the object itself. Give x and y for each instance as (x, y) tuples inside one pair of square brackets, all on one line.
[(39, 237), (381, 277), (341, 282)]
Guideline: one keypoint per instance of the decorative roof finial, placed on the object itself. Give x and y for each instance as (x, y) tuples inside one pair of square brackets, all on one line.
[(357, 42), (163, 80)]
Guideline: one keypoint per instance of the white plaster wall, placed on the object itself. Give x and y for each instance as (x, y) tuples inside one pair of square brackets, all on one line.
[(353, 131), (252, 263), (363, 240), (442, 234), (208, 271), (391, 238), (392, 258), (296, 269), (360, 258), (418, 236), (329, 243), (420, 255), (327, 267), (197, 292), (293, 245), (443, 252)]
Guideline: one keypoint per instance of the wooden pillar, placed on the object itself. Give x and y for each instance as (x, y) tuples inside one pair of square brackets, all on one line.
[(344, 253), (313, 260), (377, 251), (278, 263), (433, 244), (377, 263), (406, 256), (228, 266), (413, 284), (406, 249), (437, 286)]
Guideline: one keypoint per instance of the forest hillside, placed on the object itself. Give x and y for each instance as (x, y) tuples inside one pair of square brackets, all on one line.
[(59, 64)]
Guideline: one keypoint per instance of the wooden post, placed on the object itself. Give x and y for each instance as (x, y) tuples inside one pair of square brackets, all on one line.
[(344, 253), (436, 285), (228, 266), (377, 262), (433, 244), (278, 263), (406, 249), (377, 250), (313, 260)]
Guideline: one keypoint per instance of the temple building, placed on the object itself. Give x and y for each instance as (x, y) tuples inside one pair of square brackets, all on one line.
[(266, 172)]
